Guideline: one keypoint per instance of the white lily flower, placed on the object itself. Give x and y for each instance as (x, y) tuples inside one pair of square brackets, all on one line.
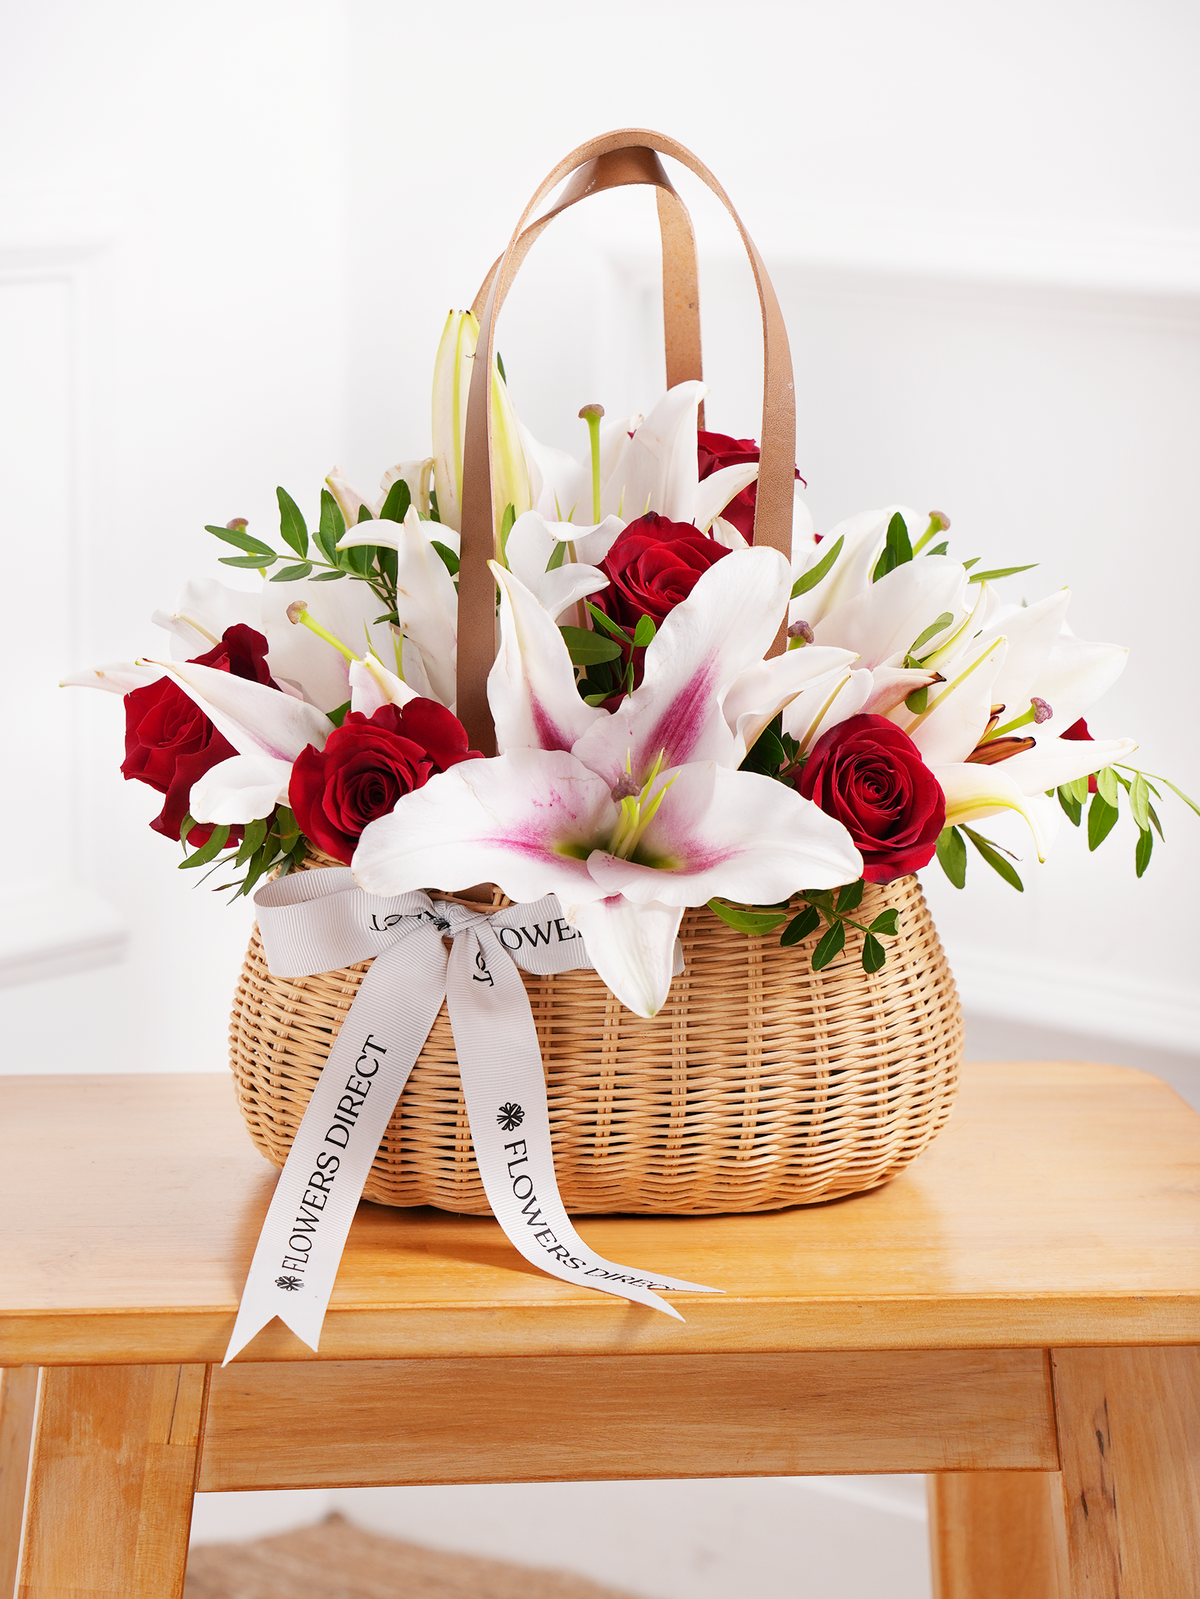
[(532, 545), (514, 481), (629, 816), (117, 677), (426, 599), (417, 474)]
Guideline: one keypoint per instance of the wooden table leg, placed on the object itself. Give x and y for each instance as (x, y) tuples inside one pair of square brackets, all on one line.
[(111, 1482), (997, 1535), (18, 1400), (1129, 1439)]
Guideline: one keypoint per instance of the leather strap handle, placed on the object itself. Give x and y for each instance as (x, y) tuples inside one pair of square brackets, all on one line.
[(777, 437), (680, 274)]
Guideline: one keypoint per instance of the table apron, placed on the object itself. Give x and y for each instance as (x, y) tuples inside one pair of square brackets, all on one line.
[(547, 1419)]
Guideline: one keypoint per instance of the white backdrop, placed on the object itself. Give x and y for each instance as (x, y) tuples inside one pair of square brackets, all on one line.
[(229, 237)]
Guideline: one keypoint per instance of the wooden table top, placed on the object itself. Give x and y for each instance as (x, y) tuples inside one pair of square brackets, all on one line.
[(1060, 1206)]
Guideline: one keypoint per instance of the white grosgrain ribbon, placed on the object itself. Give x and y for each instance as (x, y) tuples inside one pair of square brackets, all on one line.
[(319, 921)]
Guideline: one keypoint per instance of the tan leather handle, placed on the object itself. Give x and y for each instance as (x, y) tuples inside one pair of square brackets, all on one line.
[(777, 437), (680, 276)]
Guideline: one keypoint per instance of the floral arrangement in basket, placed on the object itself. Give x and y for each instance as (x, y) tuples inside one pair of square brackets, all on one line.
[(652, 755)]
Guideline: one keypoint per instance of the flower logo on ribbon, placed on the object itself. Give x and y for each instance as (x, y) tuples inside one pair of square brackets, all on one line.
[(510, 1117), (292, 1284)]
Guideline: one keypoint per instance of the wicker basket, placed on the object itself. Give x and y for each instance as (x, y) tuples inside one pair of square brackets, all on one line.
[(759, 1084)]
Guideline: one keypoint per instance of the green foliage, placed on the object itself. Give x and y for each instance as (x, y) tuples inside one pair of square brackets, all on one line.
[(897, 549), (269, 843), (810, 579), (994, 856), (952, 855), (399, 498), (819, 907), (292, 529), (1102, 818), (586, 647), (998, 572), (449, 559)]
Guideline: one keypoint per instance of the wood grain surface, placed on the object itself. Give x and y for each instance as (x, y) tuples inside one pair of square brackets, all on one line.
[(111, 1482), (997, 1535), (1129, 1434), (603, 1417), (1061, 1206), (18, 1403)]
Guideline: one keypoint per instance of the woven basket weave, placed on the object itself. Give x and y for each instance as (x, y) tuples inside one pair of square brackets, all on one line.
[(759, 1084)]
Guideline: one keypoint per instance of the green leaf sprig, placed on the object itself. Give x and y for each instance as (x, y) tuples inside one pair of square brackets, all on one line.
[(1105, 806), (819, 906), (273, 841)]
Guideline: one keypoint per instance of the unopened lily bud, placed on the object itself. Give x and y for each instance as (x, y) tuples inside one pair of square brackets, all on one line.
[(295, 612), (801, 630), (1042, 711), (626, 787), (237, 524), (590, 411)]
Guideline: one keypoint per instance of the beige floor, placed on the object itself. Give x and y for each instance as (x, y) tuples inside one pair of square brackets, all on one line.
[(335, 1560)]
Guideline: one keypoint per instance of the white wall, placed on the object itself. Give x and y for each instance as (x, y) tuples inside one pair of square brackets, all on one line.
[(229, 236)]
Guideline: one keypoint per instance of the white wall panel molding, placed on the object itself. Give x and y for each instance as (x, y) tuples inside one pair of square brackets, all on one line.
[(51, 921)]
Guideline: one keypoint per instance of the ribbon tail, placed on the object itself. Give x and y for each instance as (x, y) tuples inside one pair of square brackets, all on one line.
[(300, 1246), (500, 1064)]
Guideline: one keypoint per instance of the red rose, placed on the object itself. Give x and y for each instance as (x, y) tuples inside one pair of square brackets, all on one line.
[(1078, 734), (367, 765), (869, 774), (169, 742), (716, 450), (654, 564)]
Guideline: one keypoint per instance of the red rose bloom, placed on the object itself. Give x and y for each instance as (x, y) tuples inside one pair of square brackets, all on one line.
[(716, 450), (169, 742), (1078, 734), (869, 774), (367, 765), (653, 565)]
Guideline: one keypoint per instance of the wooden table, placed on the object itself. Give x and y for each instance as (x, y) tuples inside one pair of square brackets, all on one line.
[(1018, 1313)]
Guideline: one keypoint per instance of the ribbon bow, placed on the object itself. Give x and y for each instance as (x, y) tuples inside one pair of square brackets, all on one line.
[(319, 921)]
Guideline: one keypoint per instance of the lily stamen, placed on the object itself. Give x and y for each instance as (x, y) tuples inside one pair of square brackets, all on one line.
[(299, 615)]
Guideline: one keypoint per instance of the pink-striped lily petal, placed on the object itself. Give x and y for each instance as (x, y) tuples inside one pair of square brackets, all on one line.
[(525, 820), (118, 677), (725, 625), (632, 947), (734, 834), (891, 686), (531, 687), (256, 720), (241, 789)]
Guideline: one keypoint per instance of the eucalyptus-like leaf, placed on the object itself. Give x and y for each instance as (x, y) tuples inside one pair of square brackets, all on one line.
[(1142, 852), (291, 524), (248, 562), (396, 502), (1072, 807), (1078, 789), (850, 897), (998, 572), (801, 927), (252, 840), (934, 628), (897, 550), (995, 859), (952, 855), (753, 922), (1139, 801), (887, 923), (810, 579), (240, 540), (207, 852), (830, 946), (329, 577), (449, 558), (873, 954), (607, 623), (1108, 787), (1102, 818), (292, 574), (586, 647), (644, 632)]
